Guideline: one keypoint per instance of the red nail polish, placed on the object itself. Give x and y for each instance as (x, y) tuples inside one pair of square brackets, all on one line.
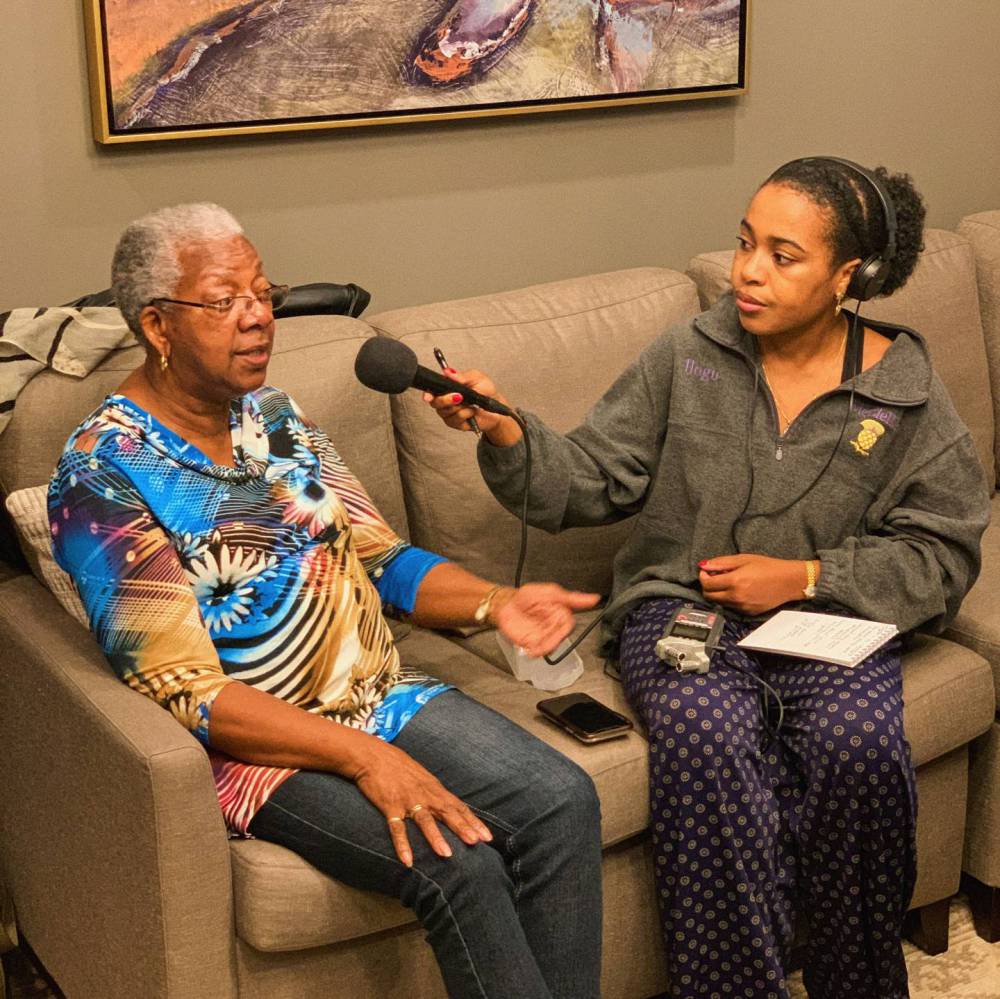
[(703, 563), (456, 398), (450, 371)]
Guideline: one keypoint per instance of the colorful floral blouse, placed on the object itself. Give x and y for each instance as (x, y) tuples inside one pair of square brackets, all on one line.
[(273, 573)]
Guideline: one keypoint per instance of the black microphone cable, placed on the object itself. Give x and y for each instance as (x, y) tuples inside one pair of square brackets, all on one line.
[(523, 552), (522, 555), (856, 353)]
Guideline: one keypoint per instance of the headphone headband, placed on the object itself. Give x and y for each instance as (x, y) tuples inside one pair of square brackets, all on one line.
[(871, 273)]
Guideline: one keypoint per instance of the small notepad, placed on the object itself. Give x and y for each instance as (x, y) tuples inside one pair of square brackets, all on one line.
[(843, 641)]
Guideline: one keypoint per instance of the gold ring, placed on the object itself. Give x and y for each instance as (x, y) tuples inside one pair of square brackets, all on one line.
[(395, 818), (413, 811)]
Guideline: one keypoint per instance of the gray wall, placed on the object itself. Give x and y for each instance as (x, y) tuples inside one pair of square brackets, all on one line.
[(418, 213)]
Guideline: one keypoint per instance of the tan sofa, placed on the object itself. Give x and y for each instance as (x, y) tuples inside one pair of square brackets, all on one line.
[(978, 625), (112, 847)]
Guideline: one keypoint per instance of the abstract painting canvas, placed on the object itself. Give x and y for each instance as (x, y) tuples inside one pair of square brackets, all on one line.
[(176, 68)]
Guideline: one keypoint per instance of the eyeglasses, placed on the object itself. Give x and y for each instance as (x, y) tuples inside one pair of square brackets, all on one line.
[(272, 296)]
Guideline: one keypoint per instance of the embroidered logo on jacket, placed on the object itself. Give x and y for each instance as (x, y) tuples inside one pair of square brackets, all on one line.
[(884, 416), (868, 435), (702, 371)]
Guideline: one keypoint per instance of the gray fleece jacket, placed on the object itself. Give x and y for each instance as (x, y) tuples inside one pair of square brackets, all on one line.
[(687, 439)]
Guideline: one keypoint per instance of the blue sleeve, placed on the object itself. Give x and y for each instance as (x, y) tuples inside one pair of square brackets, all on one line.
[(399, 579)]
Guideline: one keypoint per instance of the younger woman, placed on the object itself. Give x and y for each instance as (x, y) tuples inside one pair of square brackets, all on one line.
[(824, 465)]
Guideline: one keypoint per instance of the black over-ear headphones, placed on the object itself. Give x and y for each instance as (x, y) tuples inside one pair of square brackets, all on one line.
[(870, 275)]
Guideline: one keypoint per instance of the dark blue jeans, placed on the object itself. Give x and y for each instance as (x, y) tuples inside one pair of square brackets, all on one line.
[(520, 916)]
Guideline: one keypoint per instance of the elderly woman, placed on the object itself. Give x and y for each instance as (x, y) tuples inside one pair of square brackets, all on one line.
[(236, 572), (821, 463)]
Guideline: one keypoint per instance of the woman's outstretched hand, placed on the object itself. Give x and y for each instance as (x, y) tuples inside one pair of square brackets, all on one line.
[(538, 616), (752, 584), (500, 431)]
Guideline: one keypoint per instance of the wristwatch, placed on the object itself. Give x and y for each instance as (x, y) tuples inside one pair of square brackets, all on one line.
[(810, 591)]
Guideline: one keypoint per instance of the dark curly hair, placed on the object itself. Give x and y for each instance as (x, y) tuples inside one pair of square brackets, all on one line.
[(856, 220)]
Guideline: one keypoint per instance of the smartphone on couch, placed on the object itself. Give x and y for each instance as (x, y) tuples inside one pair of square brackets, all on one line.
[(584, 717)]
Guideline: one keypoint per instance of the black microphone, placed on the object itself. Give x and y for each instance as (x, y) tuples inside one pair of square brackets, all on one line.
[(386, 365)]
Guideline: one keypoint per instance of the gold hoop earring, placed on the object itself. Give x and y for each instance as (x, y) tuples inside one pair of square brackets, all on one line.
[(164, 363), (839, 303)]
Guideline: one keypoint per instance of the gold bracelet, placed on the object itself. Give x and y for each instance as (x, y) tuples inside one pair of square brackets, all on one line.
[(810, 591), (482, 612)]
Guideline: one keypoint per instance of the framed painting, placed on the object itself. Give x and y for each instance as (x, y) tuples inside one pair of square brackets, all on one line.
[(172, 69)]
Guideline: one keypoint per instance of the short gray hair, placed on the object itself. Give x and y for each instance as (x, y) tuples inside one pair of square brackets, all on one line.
[(146, 264)]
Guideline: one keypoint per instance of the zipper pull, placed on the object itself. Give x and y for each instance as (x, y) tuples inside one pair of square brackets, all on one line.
[(778, 453)]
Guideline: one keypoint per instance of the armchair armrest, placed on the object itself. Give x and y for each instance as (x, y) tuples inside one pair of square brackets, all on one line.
[(112, 845)]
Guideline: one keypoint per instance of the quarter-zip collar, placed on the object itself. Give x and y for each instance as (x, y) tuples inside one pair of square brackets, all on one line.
[(901, 378)]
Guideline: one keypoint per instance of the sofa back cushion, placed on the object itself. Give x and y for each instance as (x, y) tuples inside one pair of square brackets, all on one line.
[(940, 301), (313, 361), (552, 349), (983, 232)]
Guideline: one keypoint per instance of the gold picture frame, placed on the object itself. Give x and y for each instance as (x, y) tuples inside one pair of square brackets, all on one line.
[(270, 66)]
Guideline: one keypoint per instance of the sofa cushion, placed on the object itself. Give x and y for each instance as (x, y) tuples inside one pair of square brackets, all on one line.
[(946, 689), (618, 766), (940, 301), (284, 904), (29, 510), (577, 335), (983, 231), (710, 273), (313, 361), (977, 625)]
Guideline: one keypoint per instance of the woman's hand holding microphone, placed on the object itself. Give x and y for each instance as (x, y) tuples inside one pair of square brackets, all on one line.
[(500, 431)]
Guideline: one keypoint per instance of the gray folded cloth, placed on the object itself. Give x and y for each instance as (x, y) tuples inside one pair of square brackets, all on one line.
[(68, 340)]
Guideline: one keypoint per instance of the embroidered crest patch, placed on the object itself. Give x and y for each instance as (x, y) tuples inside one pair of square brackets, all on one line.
[(868, 435)]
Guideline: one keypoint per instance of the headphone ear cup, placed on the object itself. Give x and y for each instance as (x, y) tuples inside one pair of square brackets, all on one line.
[(868, 278)]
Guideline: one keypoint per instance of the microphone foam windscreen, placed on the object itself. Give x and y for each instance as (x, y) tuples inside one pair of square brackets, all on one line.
[(385, 365)]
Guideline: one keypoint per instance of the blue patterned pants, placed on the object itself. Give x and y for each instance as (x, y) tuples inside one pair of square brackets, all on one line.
[(748, 830)]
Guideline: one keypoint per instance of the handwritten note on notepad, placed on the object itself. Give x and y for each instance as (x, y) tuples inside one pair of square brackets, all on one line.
[(844, 641)]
